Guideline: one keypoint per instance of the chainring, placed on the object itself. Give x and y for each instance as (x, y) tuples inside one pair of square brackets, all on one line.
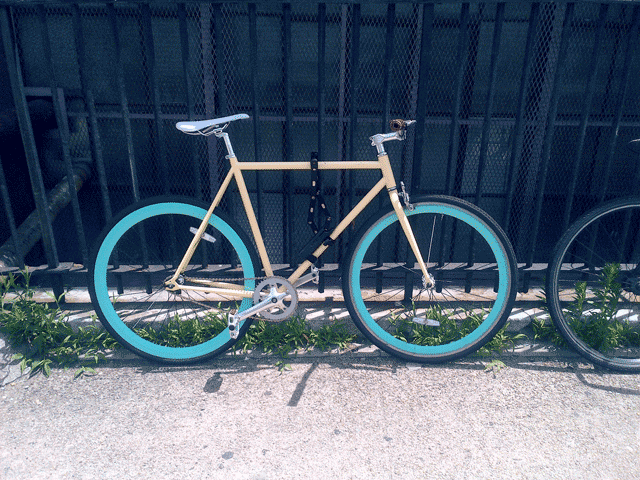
[(282, 309)]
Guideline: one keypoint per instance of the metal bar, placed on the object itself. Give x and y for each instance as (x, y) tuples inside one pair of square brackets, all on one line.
[(94, 131), (474, 29), (423, 94), (354, 92), (219, 100), (389, 55), (454, 130), (223, 107), (124, 103), (158, 135), (277, 2), (584, 118), (488, 112), (158, 131), (322, 47), (126, 119), (17, 256), (518, 129), (288, 133), (341, 122), (386, 88), (188, 85), (63, 129), (255, 106), (549, 131), (486, 128), (322, 34), (28, 139), (207, 25), (632, 42)]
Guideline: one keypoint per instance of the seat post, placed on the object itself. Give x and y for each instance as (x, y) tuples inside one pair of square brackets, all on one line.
[(227, 142)]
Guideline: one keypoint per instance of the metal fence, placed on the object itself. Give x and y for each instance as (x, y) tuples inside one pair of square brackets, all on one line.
[(523, 108)]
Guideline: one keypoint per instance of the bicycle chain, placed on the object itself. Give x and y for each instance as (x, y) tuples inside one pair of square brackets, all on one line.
[(228, 279), (207, 307)]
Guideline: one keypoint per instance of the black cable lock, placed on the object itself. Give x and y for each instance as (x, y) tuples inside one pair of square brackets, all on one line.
[(317, 206)]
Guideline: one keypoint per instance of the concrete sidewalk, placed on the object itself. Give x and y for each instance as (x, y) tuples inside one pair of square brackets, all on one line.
[(358, 414)]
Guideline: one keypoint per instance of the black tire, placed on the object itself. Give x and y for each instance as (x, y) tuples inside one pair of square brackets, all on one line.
[(593, 285), (139, 250), (385, 294)]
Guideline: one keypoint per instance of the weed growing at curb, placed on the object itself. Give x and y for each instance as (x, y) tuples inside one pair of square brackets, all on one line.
[(43, 333), (47, 340), (592, 315)]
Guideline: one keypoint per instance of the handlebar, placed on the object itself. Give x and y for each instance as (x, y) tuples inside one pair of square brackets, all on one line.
[(399, 132)]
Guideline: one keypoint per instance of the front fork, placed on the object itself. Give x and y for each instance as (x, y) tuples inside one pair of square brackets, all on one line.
[(427, 279)]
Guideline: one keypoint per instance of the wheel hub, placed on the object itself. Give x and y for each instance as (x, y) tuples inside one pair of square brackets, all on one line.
[(631, 284)]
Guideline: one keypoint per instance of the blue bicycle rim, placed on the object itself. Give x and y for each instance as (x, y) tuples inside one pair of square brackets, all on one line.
[(436, 350), (102, 291)]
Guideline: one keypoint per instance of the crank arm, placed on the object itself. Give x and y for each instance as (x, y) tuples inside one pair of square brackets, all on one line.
[(272, 300), (309, 277)]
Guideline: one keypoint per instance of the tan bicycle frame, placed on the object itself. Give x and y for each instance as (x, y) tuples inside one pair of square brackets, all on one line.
[(234, 290)]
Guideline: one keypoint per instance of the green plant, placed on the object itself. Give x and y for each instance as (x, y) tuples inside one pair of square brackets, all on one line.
[(43, 332), (282, 366), (592, 314), (546, 331), (184, 332), (293, 334), (48, 340), (494, 366), (450, 330)]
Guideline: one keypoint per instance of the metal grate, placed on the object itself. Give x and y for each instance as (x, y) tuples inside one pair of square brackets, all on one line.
[(523, 108)]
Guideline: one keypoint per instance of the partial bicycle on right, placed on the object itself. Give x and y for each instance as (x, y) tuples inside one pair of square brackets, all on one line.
[(593, 284)]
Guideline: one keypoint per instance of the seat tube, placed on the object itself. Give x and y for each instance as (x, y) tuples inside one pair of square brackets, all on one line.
[(251, 216)]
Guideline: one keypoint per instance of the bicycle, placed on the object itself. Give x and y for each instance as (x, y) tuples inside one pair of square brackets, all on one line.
[(430, 280), (593, 285)]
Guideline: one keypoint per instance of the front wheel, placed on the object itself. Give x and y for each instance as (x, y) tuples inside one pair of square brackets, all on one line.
[(474, 268), (136, 255), (593, 285)]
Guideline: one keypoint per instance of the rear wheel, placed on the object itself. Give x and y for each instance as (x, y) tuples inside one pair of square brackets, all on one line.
[(471, 260), (140, 250)]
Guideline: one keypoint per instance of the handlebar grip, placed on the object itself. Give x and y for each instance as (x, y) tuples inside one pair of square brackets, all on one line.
[(397, 125)]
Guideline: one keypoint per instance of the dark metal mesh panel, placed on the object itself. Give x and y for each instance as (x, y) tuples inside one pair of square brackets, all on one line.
[(546, 152)]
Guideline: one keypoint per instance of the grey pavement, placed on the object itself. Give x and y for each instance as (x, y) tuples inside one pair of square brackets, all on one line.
[(359, 414)]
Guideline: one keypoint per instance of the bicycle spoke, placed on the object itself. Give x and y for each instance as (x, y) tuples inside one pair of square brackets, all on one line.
[(430, 323), (592, 286), (180, 325)]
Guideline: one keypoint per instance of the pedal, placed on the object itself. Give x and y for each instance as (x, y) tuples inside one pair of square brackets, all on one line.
[(205, 236), (232, 322), (429, 322)]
